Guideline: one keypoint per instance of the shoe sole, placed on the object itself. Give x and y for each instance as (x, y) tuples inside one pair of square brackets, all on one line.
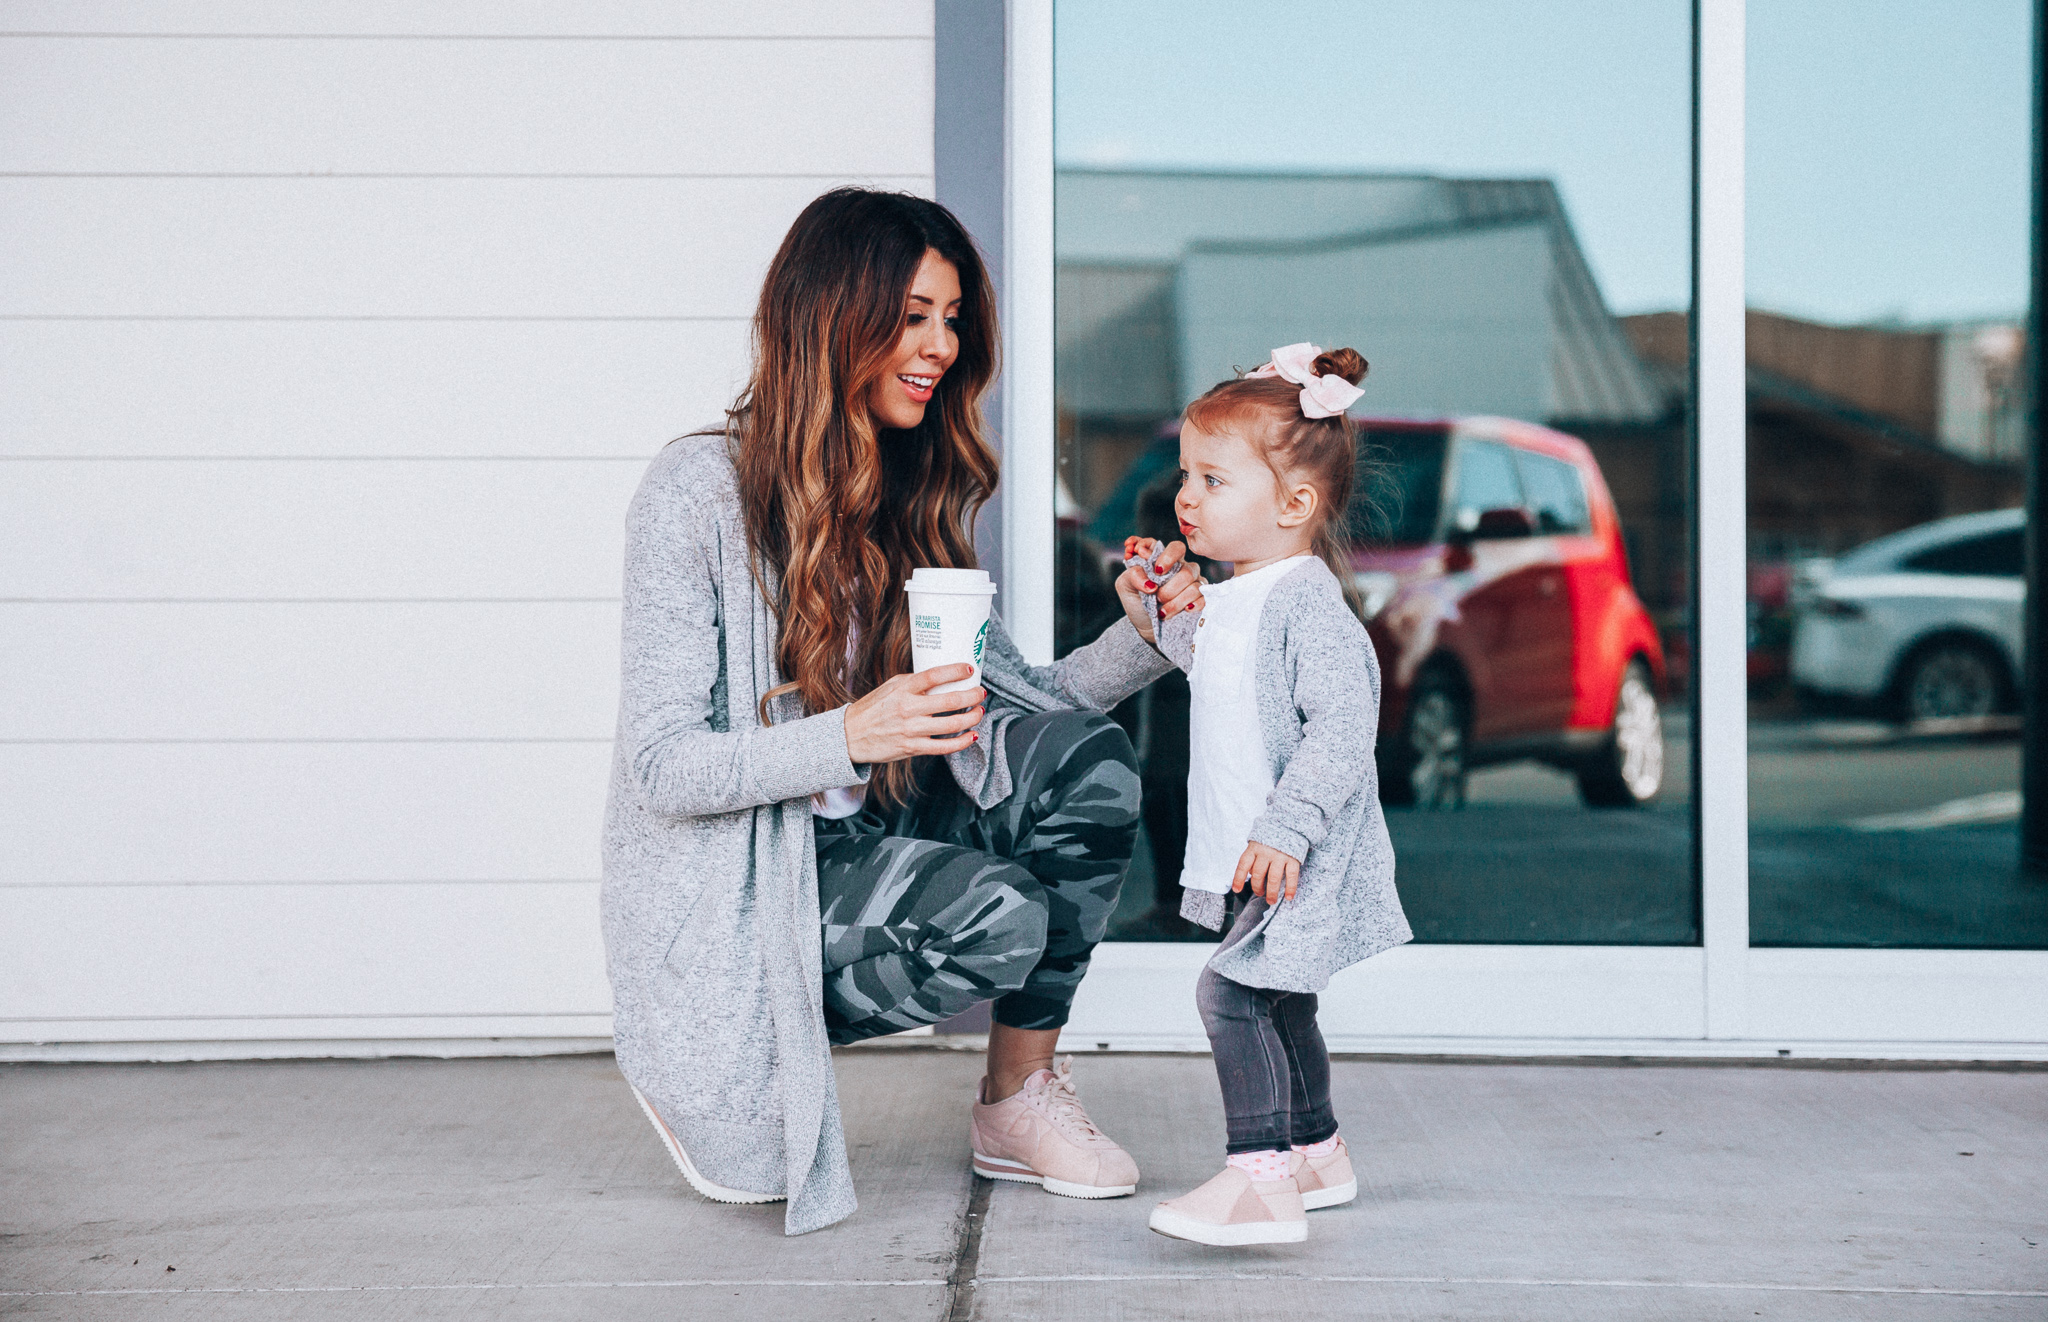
[(1179, 1225), (1001, 1168), (716, 1192), (1330, 1197)]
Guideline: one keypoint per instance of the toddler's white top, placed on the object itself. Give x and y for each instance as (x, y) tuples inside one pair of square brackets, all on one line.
[(1229, 776)]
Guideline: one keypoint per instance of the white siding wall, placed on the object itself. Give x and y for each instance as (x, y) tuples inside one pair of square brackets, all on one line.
[(333, 339)]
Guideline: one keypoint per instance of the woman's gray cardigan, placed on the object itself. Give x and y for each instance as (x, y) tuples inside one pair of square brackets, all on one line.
[(710, 893), (1319, 709)]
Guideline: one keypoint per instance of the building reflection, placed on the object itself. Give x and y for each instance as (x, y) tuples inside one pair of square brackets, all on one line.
[(1484, 324)]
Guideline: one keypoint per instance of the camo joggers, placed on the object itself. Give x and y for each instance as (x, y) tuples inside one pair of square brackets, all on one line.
[(937, 906)]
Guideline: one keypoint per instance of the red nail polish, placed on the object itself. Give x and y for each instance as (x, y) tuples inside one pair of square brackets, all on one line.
[(1150, 586)]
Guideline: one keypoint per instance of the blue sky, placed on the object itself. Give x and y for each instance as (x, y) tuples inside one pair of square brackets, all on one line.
[(1888, 139)]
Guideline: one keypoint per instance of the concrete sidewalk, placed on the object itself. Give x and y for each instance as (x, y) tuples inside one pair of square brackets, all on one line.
[(533, 1188)]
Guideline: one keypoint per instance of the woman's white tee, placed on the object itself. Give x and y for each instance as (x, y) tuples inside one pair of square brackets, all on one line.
[(1229, 777), (837, 804)]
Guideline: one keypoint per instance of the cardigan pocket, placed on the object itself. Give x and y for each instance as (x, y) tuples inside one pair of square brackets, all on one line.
[(714, 960)]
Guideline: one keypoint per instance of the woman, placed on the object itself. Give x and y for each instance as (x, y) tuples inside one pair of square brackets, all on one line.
[(779, 874)]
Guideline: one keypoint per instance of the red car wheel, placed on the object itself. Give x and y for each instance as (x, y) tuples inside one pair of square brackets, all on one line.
[(1427, 765), (1628, 770)]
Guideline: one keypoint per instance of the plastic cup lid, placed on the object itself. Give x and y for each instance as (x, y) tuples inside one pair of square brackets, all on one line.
[(968, 581)]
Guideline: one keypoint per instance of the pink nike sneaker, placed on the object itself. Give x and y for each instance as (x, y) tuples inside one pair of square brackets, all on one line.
[(716, 1192), (1043, 1136), (1324, 1181)]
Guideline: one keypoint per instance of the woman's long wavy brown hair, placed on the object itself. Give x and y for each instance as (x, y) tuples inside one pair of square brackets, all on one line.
[(838, 511)]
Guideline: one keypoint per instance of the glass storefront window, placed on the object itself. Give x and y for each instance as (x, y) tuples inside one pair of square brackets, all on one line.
[(1492, 204), (1888, 258)]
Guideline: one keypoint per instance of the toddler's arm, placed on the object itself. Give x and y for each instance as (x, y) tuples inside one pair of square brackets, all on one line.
[(1336, 689)]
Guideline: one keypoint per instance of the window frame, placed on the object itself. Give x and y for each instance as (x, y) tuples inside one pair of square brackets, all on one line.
[(1720, 998)]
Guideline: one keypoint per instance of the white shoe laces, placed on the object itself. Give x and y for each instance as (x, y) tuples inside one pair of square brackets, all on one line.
[(1063, 1106)]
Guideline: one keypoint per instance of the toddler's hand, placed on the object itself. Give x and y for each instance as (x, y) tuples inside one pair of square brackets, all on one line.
[(1271, 874), (1175, 585)]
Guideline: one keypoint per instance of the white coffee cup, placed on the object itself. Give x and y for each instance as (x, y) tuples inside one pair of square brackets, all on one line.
[(949, 620)]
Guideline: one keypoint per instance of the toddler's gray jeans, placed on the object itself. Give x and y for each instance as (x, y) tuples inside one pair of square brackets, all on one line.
[(1270, 1058)]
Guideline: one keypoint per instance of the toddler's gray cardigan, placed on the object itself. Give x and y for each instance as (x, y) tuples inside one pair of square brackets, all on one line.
[(1319, 709), (710, 891)]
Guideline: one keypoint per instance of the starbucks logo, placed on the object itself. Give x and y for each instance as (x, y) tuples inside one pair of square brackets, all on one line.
[(980, 637)]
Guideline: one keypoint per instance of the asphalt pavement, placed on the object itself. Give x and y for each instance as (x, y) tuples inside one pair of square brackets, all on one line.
[(483, 1189), (1862, 834)]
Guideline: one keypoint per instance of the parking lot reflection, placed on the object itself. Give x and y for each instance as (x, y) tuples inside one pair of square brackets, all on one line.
[(1866, 833)]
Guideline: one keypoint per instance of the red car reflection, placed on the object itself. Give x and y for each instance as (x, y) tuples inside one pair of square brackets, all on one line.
[(1497, 594)]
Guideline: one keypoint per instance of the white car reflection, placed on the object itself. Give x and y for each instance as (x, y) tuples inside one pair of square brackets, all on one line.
[(1924, 623)]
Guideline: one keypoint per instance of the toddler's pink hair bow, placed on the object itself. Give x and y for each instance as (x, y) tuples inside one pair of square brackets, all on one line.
[(1321, 396)]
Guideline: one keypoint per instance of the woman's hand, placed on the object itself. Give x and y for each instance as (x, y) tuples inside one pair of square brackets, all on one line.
[(1271, 874), (900, 718), (1179, 585)]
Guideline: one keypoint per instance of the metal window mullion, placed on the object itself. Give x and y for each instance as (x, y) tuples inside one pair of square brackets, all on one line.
[(1720, 624), (2034, 747), (1029, 449)]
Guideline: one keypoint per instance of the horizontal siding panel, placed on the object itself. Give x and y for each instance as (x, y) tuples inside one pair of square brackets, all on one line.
[(347, 1038), (466, 107), (129, 814), (393, 247), (314, 528), (305, 816), (79, 388), (193, 671), (623, 18), (179, 952)]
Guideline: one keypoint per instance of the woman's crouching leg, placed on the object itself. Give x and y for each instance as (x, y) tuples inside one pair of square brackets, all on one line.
[(916, 931), (1072, 819)]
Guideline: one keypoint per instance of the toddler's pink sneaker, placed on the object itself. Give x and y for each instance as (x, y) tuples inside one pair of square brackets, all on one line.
[(1324, 1181), (1043, 1136), (1235, 1209)]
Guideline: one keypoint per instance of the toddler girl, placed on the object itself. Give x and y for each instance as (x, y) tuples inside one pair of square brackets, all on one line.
[(1283, 799)]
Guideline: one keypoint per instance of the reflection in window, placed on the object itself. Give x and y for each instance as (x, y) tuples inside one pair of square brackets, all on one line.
[(1887, 262), (2001, 555), (1557, 494), (1486, 481), (1476, 238), (1403, 491)]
